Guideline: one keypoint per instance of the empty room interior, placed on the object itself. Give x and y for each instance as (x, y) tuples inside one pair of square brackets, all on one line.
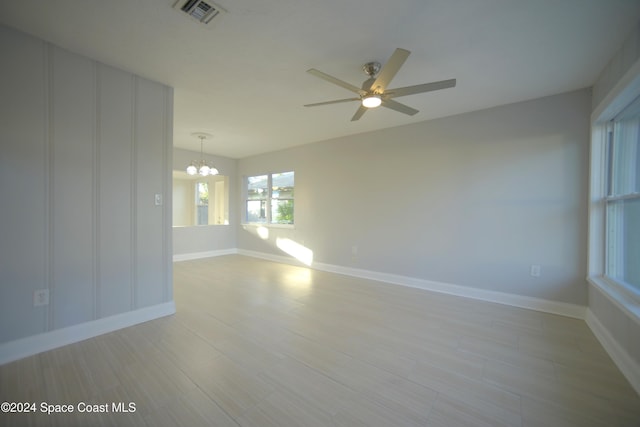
[(336, 213)]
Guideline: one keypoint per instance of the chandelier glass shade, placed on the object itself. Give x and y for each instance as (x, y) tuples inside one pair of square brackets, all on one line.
[(201, 167)]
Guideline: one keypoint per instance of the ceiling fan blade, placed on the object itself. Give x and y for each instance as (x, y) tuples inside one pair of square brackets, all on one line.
[(334, 80), (389, 70), (399, 107), (359, 112), (337, 101), (427, 87)]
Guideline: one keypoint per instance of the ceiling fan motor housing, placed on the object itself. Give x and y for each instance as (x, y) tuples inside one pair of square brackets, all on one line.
[(371, 68)]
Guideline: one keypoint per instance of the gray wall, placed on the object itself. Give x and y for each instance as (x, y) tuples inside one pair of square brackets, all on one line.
[(470, 200), (191, 240), (83, 150)]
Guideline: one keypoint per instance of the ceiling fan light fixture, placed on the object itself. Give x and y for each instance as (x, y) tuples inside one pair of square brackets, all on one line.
[(371, 101), (372, 91)]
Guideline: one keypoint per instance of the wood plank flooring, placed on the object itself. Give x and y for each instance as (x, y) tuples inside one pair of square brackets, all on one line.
[(256, 343)]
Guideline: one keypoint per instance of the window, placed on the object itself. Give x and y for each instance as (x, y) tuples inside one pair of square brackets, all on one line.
[(622, 252), (257, 195), (270, 198), (282, 198), (202, 203)]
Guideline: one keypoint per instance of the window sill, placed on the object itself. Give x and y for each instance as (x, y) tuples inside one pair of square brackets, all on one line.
[(621, 297)]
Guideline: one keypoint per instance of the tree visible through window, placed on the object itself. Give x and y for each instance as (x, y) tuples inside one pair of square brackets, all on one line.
[(202, 203), (282, 198)]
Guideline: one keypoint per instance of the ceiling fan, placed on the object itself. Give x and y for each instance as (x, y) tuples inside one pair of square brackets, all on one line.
[(374, 90)]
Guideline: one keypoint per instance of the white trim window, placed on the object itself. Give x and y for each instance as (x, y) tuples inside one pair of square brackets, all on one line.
[(622, 199), (202, 202), (269, 199)]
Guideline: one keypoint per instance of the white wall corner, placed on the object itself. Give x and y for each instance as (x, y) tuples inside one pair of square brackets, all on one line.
[(627, 365), (24, 347)]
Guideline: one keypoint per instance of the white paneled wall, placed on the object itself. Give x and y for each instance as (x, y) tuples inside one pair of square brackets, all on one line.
[(24, 171), (84, 148), (70, 80)]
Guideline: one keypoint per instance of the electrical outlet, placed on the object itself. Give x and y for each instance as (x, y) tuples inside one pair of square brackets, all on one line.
[(536, 270), (158, 199), (40, 297)]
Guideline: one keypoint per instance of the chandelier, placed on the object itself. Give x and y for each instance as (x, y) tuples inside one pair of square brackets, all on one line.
[(201, 167)]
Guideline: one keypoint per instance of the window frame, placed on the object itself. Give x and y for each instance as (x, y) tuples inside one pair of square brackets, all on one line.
[(268, 200), (624, 295), (612, 197)]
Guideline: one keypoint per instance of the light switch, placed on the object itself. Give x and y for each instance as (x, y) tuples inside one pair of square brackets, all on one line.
[(536, 270)]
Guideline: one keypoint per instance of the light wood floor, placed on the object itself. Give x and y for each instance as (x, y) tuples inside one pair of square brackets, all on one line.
[(256, 343)]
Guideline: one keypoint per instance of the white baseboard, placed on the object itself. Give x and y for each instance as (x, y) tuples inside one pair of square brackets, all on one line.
[(538, 304), (206, 254), (24, 347), (627, 365)]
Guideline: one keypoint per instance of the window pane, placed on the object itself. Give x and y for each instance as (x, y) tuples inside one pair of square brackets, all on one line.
[(625, 155), (202, 194), (623, 241), (282, 185), (257, 187), (202, 203), (281, 211), (282, 198), (256, 211), (203, 215)]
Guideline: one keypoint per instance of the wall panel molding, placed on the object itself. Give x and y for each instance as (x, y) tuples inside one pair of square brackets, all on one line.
[(134, 192), (167, 187), (95, 202), (49, 174), (97, 194)]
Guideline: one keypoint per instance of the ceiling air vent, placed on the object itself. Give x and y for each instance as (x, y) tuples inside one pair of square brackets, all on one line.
[(200, 10)]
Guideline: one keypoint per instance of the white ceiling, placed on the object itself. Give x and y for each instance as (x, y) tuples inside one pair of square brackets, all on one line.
[(243, 78)]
